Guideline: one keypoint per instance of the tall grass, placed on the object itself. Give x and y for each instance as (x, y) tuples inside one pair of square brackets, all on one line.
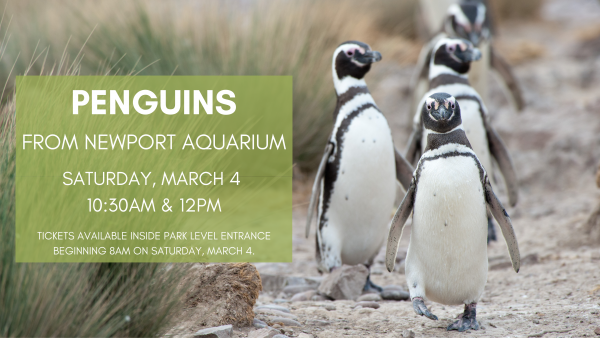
[(220, 38), (73, 300)]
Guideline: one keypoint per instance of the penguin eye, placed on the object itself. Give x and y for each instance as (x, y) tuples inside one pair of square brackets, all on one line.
[(350, 52), (452, 105), (428, 107), (451, 48)]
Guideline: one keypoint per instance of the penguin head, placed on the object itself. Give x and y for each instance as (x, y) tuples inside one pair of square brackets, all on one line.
[(351, 61), (468, 20), (441, 113), (455, 54)]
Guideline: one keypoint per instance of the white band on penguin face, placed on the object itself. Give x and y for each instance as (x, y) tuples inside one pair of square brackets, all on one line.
[(342, 85), (460, 17)]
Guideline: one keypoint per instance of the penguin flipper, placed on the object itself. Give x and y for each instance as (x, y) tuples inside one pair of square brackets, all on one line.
[(397, 227), (502, 68), (500, 153), (316, 190), (404, 170), (505, 224)]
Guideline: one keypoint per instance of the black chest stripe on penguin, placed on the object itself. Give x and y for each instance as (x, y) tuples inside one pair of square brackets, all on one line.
[(446, 155), (333, 168)]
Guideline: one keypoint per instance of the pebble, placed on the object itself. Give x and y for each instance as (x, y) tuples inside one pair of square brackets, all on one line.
[(274, 307), (408, 334), (364, 304), (329, 307), (280, 300), (280, 336), (393, 287), (304, 296), (597, 331), (395, 295), (263, 333), (369, 297), (284, 321), (294, 289), (275, 313), (317, 322), (259, 323), (224, 331), (319, 298), (535, 321), (345, 282), (305, 335)]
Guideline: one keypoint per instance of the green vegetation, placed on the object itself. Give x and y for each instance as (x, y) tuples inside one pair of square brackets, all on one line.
[(74, 300), (206, 38)]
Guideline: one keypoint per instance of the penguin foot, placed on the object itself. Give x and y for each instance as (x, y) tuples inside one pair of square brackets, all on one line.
[(370, 286), (491, 231), (421, 309), (466, 321)]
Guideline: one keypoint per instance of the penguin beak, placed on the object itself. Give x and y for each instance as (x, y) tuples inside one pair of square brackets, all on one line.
[(442, 113), (470, 54), (368, 57)]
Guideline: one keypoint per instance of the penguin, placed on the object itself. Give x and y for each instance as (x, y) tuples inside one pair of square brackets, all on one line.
[(447, 260), (470, 20), (355, 184), (448, 72)]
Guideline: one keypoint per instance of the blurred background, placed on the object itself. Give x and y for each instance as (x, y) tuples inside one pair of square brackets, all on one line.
[(552, 45)]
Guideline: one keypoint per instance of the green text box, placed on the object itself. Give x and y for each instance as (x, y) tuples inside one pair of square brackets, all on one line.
[(65, 218)]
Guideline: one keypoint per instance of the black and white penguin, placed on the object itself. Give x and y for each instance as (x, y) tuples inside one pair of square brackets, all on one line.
[(470, 20), (355, 185), (448, 73), (447, 260)]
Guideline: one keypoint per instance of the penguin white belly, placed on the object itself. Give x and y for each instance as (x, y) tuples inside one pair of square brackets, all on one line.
[(476, 133), (447, 255), (364, 191)]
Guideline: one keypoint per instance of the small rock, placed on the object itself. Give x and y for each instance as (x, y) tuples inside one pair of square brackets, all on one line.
[(408, 334), (535, 321), (275, 313), (224, 331), (345, 282), (263, 333), (305, 335), (329, 307), (597, 331), (294, 289), (283, 321), (304, 296), (369, 297), (274, 307), (319, 298), (259, 323), (395, 295), (372, 305), (280, 300), (317, 322), (392, 287), (280, 336)]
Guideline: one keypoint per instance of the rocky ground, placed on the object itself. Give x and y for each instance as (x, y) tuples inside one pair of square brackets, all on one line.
[(555, 145)]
